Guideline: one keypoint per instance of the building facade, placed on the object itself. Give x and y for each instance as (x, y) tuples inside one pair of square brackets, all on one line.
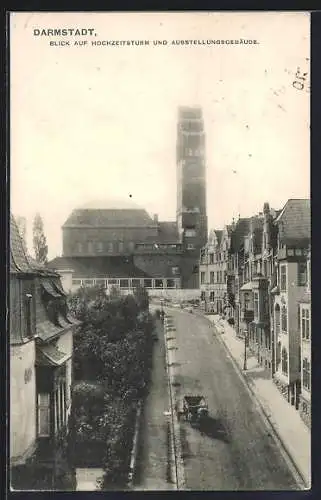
[(41, 332), (118, 244), (268, 292), (294, 235), (191, 180), (305, 336)]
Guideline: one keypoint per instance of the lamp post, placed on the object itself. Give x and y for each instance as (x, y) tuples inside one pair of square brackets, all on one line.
[(245, 348), (248, 317)]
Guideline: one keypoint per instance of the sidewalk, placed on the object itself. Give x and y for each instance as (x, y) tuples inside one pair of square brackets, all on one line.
[(152, 462), (284, 418)]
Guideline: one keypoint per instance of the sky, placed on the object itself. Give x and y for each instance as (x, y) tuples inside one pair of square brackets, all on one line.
[(99, 122)]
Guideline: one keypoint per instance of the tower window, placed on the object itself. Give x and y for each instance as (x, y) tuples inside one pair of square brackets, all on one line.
[(190, 233)]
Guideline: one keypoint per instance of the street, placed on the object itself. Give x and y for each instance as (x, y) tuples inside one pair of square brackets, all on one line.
[(236, 450)]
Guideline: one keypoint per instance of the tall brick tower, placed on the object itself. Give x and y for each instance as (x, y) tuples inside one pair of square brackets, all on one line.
[(191, 187)]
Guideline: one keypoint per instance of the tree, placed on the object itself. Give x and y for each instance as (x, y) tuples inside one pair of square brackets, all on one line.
[(39, 240), (142, 298)]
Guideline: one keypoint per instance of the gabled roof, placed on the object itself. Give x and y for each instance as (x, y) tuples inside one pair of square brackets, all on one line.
[(114, 217), (294, 221), (19, 262), (218, 234), (240, 230), (98, 267)]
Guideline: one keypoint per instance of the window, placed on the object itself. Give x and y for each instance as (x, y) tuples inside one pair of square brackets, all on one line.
[(148, 283), (265, 268), (290, 252), (225, 277), (256, 305), (202, 295), (283, 278), (246, 301), (277, 319), (158, 283), (284, 361), (124, 283), (101, 282), (100, 246), (190, 246), (76, 282), (135, 283), (217, 277), (112, 282), (212, 295), (202, 278), (190, 233), (306, 374), (212, 277), (170, 283), (43, 415), (284, 320), (28, 315), (79, 247), (211, 258), (305, 322), (302, 274), (264, 240), (175, 270), (120, 247)]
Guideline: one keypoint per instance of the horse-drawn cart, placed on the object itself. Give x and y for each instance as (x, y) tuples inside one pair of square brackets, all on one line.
[(195, 409)]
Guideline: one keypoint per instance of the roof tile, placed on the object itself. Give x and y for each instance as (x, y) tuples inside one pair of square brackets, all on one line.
[(294, 221), (109, 218), (98, 267)]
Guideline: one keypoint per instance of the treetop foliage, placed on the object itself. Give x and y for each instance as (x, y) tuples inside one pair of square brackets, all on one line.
[(39, 240)]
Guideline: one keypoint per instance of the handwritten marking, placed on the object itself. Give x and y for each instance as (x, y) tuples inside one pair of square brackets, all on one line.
[(300, 80)]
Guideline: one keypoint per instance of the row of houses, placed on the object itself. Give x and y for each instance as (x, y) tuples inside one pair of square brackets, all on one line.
[(256, 272), (41, 346)]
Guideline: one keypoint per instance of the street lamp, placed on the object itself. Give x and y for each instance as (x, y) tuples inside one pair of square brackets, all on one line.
[(248, 317)]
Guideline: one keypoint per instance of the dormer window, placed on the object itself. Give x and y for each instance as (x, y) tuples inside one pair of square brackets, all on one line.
[(54, 301)]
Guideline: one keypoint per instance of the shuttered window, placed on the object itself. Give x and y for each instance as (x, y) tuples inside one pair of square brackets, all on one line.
[(43, 414)]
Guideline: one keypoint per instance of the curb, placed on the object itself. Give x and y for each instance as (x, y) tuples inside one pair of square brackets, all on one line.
[(134, 452), (175, 429), (266, 414)]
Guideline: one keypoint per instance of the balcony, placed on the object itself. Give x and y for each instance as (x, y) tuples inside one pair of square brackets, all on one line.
[(143, 249)]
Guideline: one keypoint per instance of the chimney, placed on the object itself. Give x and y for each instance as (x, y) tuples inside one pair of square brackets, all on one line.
[(156, 218)]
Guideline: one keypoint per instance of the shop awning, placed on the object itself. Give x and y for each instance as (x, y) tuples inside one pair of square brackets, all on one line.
[(49, 355), (247, 286), (49, 288)]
